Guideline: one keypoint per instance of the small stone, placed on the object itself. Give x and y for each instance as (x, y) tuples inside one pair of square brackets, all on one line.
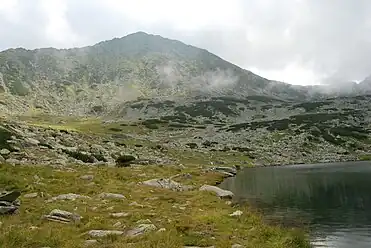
[(236, 213), (31, 195), (34, 228), (104, 233), (119, 215), (228, 203), (70, 196), (198, 247), (135, 204), (146, 221), (90, 242), (141, 229), (117, 224), (31, 141), (111, 196), (162, 230), (236, 246), (87, 177)]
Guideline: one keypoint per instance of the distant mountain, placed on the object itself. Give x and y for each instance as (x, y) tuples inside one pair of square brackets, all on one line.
[(137, 65)]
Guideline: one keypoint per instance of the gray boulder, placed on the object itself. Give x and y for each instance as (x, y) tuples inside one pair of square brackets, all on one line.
[(62, 216), (9, 202), (218, 191), (166, 184)]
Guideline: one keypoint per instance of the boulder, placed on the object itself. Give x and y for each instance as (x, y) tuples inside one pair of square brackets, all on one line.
[(218, 191), (62, 216), (166, 184)]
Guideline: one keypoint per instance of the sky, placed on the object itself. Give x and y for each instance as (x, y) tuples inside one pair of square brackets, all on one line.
[(300, 42)]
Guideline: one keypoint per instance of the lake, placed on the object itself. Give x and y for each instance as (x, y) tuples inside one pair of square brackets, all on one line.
[(332, 200)]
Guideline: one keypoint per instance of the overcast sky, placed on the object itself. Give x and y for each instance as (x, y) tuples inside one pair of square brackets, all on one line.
[(296, 41)]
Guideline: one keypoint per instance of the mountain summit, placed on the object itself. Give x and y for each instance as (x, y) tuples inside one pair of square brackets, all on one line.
[(121, 69)]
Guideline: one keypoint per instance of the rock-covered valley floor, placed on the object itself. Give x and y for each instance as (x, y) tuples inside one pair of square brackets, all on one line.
[(89, 182)]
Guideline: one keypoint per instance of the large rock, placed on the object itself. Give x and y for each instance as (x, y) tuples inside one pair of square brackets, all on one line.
[(62, 216), (166, 184), (218, 191)]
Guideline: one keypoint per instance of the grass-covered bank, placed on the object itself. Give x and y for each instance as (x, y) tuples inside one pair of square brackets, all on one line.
[(190, 218)]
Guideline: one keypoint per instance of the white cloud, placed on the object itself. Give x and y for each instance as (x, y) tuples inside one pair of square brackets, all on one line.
[(296, 41), (57, 29)]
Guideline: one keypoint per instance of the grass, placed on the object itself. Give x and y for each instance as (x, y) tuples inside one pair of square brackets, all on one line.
[(191, 218), (366, 157)]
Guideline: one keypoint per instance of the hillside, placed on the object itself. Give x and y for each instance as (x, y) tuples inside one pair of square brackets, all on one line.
[(151, 121), (138, 65)]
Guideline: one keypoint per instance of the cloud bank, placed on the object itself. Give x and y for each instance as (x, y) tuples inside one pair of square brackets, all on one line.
[(297, 41)]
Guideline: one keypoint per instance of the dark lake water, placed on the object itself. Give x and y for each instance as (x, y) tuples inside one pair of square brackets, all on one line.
[(332, 200)]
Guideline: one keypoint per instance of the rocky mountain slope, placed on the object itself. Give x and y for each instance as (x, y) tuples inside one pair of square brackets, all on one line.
[(188, 97), (81, 80)]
